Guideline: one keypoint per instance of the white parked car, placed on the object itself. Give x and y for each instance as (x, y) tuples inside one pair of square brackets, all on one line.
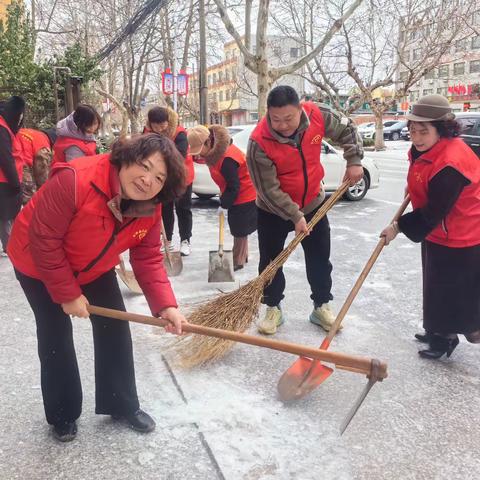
[(332, 160)]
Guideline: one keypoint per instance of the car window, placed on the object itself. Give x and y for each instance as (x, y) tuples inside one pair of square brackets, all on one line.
[(469, 126), (240, 137), (389, 123)]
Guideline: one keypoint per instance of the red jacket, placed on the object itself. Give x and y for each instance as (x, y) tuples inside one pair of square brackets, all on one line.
[(31, 142), (68, 235), (298, 168), (188, 160), (16, 152), (247, 191), (461, 227), (89, 147)]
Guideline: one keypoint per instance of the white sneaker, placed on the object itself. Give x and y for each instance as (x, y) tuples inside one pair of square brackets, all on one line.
[(271, 321), (185, 248), (3, 254), (323, 317)]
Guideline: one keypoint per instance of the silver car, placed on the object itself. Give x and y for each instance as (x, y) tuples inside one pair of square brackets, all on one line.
[(332, 160)]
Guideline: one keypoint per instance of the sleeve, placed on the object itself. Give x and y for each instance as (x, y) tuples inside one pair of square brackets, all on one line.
[(7, 162), (443, 191), (147, 264), (73, 152), (41, 166), (343, 131), (229, 171), (264, 176), (181, 142), (54, 210)]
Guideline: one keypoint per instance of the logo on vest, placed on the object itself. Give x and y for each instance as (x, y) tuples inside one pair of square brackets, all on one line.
[(139, 234), (316, 140)]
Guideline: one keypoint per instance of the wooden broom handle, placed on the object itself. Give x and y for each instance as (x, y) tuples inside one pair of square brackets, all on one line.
[(358, 284), (358, 364), (221, 226)]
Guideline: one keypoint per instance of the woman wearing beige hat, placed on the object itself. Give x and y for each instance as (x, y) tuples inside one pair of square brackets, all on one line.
[(444, 188), (228, 168)]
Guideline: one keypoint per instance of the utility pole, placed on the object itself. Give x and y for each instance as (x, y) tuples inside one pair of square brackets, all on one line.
[(202, 77)]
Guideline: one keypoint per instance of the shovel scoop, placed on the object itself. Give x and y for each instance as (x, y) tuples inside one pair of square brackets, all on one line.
[(220, 262), (128, 278), (173, 260)]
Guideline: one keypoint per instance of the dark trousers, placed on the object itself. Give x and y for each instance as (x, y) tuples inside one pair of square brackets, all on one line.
[(272, 232), (183, 207), (115, 387), (5, 231)]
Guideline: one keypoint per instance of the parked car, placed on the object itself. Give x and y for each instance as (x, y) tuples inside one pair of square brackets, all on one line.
[(369, 131), (332, 160), (405, 133), (393, 131), (470, 129)]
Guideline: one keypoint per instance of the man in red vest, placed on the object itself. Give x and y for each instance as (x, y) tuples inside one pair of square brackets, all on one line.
[(283, 157), (11, 115)]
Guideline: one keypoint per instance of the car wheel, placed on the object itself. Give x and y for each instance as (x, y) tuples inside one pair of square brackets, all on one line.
[(395, 136), (204, 196), (358, 191)]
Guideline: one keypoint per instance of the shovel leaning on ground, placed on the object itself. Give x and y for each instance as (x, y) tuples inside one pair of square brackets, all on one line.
[(128, 277), (220, 263), (306, 374), (173, 260), (374, 369)]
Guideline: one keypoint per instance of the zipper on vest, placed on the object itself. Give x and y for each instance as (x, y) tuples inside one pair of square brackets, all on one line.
[(305, 177)]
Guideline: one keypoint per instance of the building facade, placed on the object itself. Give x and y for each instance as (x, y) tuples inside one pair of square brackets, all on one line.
[(3, 8)]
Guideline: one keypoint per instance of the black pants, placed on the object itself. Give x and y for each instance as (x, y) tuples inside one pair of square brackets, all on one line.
[(183, 207), (115, 387), (272, 232)]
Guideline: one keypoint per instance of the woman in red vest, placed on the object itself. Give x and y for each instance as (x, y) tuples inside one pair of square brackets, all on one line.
[(228, 169), (76, 134), (444, 187), (64, 247), (164, 121), (11, 115)]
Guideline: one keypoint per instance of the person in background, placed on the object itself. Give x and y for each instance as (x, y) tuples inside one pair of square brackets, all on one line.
[(11, 165), (76, 134), (164, 121), (228, 168), (64, 247), (444, 187), (283, 157), (37, 152)]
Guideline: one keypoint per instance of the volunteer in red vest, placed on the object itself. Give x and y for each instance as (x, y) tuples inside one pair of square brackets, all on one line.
[(444, 187), (76, 134), (64, 247), (164, 121), (229, 171), (283, 157), (37, 151), (11, 165)]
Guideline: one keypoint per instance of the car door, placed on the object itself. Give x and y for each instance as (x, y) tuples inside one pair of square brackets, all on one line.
[(470, 132), (334, 166)]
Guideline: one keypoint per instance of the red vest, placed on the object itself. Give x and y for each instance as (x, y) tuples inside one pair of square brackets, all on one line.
[(247, 191), (16, 152), (31, 142), (299, 169), (88, 147), (95, 238), (188, 160), (461, 227)]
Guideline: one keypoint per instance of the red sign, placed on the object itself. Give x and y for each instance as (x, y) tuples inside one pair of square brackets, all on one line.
[(167, 82), (182, 83)]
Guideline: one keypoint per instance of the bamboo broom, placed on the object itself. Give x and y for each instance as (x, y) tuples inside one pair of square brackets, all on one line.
[(235, 311)]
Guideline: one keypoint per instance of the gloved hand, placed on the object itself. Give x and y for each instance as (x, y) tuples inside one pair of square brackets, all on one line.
[(222, 210)]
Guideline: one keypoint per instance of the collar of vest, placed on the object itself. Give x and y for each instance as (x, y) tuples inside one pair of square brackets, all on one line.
[(431, 155)]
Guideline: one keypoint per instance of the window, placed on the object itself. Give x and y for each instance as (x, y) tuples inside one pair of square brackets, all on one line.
[(403, 75), (416, 54), (459, 68), (413, 95), (469, 126), (214, 78), (277, 51), (294, 52), (476, 18), (475, 66), (476, 42), (220, 76), (443, 71), (220, 96), (227, 75), (427, 91), (209, 80), (442, 91), (234, 94), (430, 75), (461, 45), (227, 95), (214, 96)]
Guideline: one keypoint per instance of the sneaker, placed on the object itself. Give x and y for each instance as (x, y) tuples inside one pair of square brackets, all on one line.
[(323, 317), (3, 254), (185, 248), (139, 421), (65, 432), (272, 320)]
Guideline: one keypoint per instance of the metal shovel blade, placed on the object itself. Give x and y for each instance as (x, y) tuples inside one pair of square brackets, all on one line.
[(128, 278), (301, 378), (220, 266), (173, 263)]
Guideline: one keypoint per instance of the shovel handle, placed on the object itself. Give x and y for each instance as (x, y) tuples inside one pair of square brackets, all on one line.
[(165, 246), (363, 275), (360, 364), (221, 226)]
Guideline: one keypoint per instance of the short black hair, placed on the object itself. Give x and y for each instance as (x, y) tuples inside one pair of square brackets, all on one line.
[(282, 96), (158, 115), (85, 116)]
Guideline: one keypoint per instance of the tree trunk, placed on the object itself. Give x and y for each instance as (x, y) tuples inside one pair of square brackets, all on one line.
[(263, 87), (379, 142)]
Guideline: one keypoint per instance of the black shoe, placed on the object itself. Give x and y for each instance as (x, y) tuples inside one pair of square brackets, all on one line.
[(139, 421), (439, 346), (237, 267), (65, 432), (424, 337)]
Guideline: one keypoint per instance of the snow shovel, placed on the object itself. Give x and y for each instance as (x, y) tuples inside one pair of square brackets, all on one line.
[(220, 263), (306, 374), (173, 260), (128, 277)]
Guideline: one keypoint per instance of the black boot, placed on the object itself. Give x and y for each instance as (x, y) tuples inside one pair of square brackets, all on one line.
[(424, 337), (439, 346), (139, 421), (65, 432)]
